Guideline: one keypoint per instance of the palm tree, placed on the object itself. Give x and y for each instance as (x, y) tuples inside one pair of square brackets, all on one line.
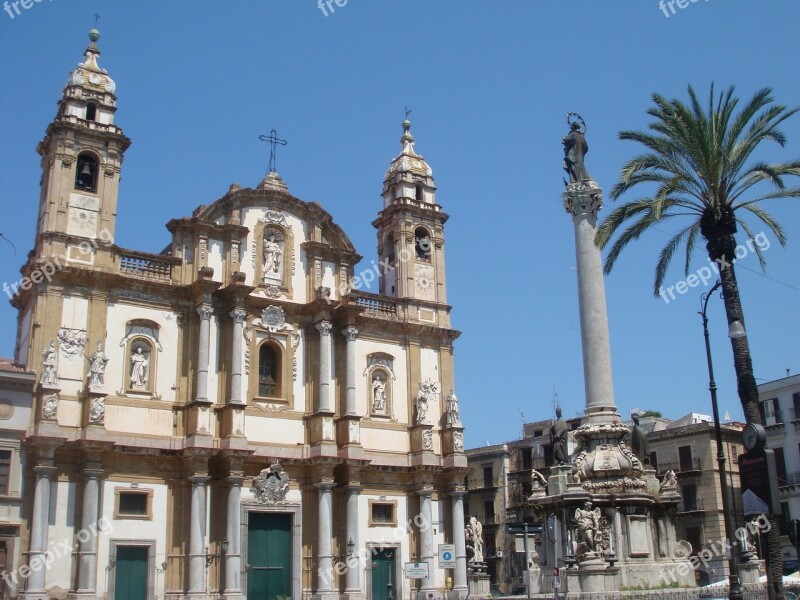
[(700, 164)]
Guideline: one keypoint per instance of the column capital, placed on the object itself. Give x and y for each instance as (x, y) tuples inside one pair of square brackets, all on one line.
[(325, 486), (92, 473), (426, 492), (235, 480), (205, 311), (324, 327), (198, 479), (238, 315), (44, 470), (458, 493), (350, 333), (354, 487)]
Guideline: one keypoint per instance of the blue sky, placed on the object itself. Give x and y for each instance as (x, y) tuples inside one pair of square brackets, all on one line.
[(489, 84)]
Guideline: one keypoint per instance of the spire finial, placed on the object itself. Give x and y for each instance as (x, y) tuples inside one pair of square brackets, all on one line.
[(407, 123), (94, 33)]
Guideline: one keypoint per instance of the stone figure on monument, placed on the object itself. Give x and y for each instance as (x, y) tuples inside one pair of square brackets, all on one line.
[(473, 533), (575, 149), (272, 255), (558, 438), (428, 392), (378, 394), (49, 362), (139, 370), (97, 368), (587, 527), (639, 444), (453, 412)]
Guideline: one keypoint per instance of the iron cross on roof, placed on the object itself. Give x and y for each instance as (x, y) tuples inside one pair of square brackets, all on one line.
[(274, 142)]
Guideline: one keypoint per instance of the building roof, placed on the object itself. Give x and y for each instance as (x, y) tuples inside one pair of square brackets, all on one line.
[(7, 365)]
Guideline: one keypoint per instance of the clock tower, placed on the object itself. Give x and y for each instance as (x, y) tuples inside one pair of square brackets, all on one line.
[(411, 229)]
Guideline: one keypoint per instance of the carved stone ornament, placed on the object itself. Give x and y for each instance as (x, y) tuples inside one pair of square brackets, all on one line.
[(273, 318), (71, 342), (428, 394), (583, 197), (427, 440), (97, 411), (670, 481), (458, 441), (50, 407), (49, 366), (271, 485), (273, 291), (275, 217)]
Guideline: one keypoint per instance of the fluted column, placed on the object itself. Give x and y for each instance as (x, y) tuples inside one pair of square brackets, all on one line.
[(351, 333), (325, 533), (238, 315), (39, 529), (197, 537), (233, 558), (324, 328), (353, 576), (426, 536), (460, 576), (87, 569), (204, 310)]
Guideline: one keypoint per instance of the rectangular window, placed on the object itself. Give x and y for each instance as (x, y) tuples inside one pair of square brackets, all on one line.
[(133, 504), (796, 406), (694, 535), (527, 458), (488, 511), (488, 476), (780, 464), (5, 472), (382, 513), (685, 457), (689, 493)]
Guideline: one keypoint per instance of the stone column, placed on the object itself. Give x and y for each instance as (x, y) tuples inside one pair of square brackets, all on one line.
[(350, 406), (39, 529), (204, 310), (238, 315), (324, 328), (460, 576), (353, 576), (87, 569), (426, 536), (233, 558), (197, 537), (583, 201), (325, 532)]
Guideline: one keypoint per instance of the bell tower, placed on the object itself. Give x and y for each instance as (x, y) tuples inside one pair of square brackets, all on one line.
[(411, 229), (82, 154)]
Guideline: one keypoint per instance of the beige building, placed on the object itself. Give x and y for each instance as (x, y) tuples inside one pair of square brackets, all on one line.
[(688, 447), (16, 393), (229, 417)]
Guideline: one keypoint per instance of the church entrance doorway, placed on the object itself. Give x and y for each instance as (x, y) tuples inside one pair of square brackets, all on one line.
[(383, 570), (269, 556), (131, 573)]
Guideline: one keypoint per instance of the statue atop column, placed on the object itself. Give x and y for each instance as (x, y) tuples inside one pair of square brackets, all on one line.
[(473, 533), (575, 149), (453, 412), (558, 438), (639, 444)]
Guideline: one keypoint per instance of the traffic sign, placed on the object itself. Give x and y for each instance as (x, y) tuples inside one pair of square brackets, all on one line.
[(447, 556), (416, 570)]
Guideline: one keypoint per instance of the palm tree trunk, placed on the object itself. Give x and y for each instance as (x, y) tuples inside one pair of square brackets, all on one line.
[(748, 395)]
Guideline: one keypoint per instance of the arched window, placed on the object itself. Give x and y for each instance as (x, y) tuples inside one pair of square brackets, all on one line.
[(91, 111), (268, 372), (422, 244), (86, 173)]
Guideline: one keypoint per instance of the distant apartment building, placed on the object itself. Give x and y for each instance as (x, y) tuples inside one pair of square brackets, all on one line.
[(779, 402), (16, 393), (688, 447)]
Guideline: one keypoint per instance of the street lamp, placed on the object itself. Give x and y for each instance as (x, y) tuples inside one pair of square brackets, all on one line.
[(736, 330)]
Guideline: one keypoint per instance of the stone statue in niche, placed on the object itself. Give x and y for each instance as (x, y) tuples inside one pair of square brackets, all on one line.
[(97, 368), (49, 362), (453, 412), (587, 528), (473, 533), (378, 393), (272, 255), (139, 364)]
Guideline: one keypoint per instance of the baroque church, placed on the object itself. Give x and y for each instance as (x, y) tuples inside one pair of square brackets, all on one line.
[(230, 417)]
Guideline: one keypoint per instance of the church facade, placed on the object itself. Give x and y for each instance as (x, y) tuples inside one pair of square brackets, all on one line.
[(230, 417)]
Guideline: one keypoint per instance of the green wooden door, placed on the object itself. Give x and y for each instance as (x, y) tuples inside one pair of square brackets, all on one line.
[(383, 575), (269, 554), (131, 573)]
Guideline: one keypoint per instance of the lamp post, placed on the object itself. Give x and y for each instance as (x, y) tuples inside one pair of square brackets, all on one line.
[(736, 330)]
